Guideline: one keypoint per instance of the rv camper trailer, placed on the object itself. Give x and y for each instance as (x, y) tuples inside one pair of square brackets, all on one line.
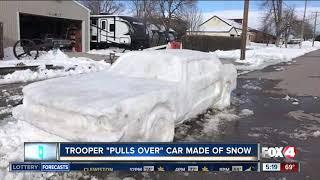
[(120, 31)]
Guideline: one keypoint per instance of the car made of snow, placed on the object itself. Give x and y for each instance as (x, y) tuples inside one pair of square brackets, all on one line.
[(140, 98)]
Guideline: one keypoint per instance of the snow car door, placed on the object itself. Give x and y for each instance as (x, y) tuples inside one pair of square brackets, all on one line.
[(202, 85)]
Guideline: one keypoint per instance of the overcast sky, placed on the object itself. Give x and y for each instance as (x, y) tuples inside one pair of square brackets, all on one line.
[(234, 9)]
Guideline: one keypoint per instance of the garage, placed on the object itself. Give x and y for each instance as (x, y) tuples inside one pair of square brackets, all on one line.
[(43, 27), (41, 20)]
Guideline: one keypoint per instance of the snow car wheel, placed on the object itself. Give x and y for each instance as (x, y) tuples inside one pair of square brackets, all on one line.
[(160, 126)]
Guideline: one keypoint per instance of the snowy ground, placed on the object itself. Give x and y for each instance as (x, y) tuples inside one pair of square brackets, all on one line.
[(259, 56), (117, 51), (65, 66)]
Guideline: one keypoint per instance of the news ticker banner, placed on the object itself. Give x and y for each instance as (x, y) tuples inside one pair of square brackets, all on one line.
[(133, 166), (140, 152), (167, 166)]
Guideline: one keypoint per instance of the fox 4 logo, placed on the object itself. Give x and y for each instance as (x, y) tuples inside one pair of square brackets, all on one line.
[(279, 152)]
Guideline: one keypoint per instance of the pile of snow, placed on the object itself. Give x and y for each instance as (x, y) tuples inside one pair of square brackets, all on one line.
[(207, 127), (246, 112), (13, 134), (212, 123), (12, 137), (260, 56), (294, 101), (101, 51), (117, 51), (251, 86), (68, 66)]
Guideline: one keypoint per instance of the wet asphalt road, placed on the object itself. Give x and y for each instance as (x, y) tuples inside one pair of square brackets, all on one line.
[(275, 122)]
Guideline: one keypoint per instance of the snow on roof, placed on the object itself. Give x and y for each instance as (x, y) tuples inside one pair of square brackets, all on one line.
[(233, 23)]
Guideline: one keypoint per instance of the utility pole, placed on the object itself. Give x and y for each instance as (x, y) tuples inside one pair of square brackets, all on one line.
[(302, 25), (314, 28), (244, 30)]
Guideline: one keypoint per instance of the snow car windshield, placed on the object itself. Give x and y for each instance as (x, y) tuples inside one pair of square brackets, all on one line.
[(147, 67)]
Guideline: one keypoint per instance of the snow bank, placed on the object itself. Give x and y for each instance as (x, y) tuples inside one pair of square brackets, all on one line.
[(12, 137), (212, 123), (101, 51), (260, 56), (117, 51), (68, 66), (140, 98)]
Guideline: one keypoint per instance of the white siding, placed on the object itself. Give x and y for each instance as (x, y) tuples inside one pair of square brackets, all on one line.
[(215, 24)]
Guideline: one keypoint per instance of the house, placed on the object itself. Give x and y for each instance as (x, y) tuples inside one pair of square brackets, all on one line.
[(217, 26), (36, 19), (261, 37), (256, 35)]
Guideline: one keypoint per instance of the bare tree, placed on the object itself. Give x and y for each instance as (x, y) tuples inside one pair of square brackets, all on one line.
[(193, 17), (144, 9), (266, 29), (104, 6), (289, 19), (170, 9), (179, 15), (274, 14)]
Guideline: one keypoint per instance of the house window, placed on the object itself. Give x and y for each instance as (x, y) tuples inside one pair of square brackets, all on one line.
[(94, 38), (232, 35), (112, 27)]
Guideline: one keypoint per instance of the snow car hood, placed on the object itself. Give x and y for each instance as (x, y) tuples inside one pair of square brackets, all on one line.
[(93, 93)]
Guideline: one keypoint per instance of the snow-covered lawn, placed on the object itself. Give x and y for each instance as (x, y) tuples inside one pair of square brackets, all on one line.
[(66, 66), (259, 56)]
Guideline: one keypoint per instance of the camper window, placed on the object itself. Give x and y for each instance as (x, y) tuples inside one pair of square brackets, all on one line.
[(111, 27), (94, 21), (103, 24)]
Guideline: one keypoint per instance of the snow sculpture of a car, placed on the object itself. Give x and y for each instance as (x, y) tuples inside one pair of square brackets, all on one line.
[(140, 98)]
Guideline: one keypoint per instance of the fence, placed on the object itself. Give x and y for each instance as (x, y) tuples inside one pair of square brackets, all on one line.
[(1, 41), (210, 43)]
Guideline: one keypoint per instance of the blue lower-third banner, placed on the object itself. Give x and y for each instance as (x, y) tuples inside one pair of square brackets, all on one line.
[(140, 152), (157, 152)]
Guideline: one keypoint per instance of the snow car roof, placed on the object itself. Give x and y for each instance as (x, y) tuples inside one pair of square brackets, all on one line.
[(183, 55)]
